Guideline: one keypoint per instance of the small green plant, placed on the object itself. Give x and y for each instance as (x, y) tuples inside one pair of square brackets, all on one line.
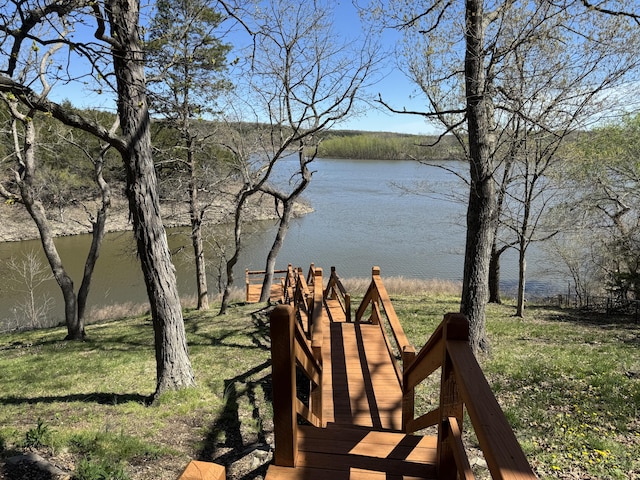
[(37, 437), (88, 469)]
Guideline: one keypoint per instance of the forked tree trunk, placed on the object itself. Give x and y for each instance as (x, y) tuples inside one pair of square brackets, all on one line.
[(480, 211), (173, 366), (74, 323)]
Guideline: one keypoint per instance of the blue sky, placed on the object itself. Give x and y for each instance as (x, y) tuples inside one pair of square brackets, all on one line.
[(392, 84)]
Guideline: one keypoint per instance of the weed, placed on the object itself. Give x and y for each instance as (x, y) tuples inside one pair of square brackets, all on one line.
[(38, 437), (88, 469)]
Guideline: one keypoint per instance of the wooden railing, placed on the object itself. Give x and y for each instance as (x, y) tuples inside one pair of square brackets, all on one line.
[(377, 302), (290, 348), (462, 385), (256, 277), (336, 291)]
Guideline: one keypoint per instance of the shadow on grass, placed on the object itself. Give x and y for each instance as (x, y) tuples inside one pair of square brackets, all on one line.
[(239, 438), (589, 318), (257, 332), (102, 398)]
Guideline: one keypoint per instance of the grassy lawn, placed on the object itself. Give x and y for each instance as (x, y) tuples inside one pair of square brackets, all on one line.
[(569, 384)]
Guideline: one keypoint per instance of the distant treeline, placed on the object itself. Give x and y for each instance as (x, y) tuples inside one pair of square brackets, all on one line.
[(388, 146)]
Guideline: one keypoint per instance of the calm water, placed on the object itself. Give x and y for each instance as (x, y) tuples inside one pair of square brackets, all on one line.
[(363, 217)]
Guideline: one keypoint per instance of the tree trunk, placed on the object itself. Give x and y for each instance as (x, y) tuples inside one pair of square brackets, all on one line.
[(283, 228), (75, 326), (480, 211), (196, 233), (237, 239), (173, 366), (522, 270), (97, 235), (494, 275)]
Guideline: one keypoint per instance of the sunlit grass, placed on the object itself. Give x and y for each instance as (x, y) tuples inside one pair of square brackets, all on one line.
[(569, 385)]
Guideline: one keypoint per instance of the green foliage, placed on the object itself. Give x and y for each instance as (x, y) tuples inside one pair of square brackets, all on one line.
[(387, 146), (39, 436), (115, 447), (89, 469)]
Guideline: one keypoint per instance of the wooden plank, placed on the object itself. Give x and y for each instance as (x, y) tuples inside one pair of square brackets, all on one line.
[(360, 379), (197, 470), (283, 473)]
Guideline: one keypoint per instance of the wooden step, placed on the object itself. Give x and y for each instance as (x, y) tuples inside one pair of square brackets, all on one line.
[(340, 452)]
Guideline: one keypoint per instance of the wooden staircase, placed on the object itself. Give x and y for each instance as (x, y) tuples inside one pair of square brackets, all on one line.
[(344, 406)]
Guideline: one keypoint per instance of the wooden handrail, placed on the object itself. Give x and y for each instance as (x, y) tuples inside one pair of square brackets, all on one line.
[(290, 348), (335, 290), (378, 300), (317, 314), (251, 274), (462, 385)]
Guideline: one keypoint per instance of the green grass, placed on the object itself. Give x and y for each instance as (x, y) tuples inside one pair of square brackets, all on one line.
[(569, 385)]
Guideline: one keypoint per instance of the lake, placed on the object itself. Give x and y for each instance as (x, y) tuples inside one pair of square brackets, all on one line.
[(365, 214)]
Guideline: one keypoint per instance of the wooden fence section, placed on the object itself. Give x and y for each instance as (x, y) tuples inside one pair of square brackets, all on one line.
[(253, 284), (359, 405)]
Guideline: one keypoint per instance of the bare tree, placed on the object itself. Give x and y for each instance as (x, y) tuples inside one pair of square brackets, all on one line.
[(302, 80), (27, 274), (480, 75), (122, 50)]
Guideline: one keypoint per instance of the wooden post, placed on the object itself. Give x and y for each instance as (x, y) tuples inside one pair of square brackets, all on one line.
[(455, 327), (246, 276), (317, 316), (283, 365), (375, 299), (408, 394), (197, 470)]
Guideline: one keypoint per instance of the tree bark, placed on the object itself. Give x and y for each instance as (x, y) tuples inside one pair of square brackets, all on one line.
[(196, 230), (480, 211), (173, 366), (75, 324), (522, 270), (494, 276), (283, 228)]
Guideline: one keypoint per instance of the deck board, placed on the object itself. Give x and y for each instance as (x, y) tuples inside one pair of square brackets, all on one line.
[(360, 384)]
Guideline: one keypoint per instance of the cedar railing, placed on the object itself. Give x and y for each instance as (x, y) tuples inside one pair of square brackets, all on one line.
[(256, 277), (462, 384), (378, 303), (290, 348), (336, 291)]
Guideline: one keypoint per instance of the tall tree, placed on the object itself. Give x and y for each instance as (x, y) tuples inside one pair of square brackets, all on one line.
[(469, 76), (29, 182), (302, 79), (123, 46), (187, 62)]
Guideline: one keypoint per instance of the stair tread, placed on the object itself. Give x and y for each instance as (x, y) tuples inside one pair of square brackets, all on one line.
[(339, 452)]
